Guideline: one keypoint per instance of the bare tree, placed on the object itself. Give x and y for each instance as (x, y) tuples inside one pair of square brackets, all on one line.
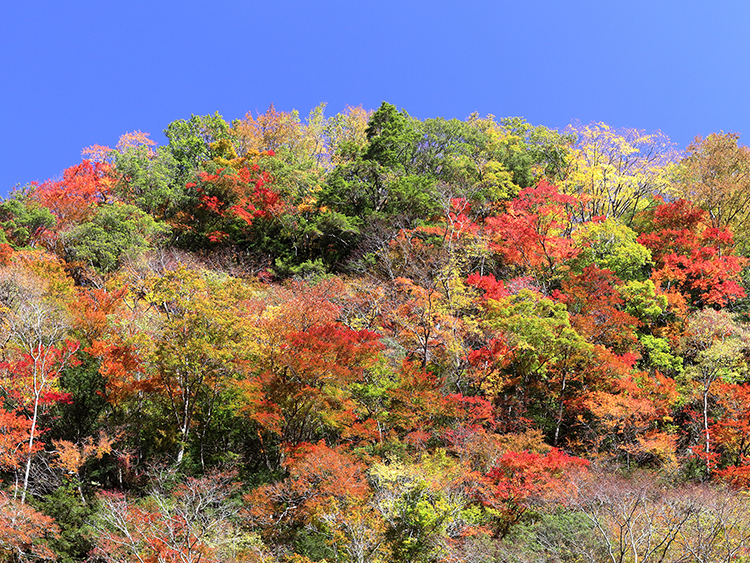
[(641, 520)]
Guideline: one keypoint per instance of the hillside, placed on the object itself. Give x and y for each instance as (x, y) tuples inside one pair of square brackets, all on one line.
[(369, 337)]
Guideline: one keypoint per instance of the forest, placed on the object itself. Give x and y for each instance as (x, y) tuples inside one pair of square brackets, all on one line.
[(368, 337)]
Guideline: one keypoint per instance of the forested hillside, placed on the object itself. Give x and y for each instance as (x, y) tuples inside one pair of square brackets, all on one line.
[(371, 338)]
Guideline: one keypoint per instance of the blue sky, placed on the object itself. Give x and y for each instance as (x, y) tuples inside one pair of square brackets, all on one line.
[(79, 72)]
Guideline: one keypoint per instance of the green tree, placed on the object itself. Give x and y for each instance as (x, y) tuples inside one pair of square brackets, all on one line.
[(117, 232), (542, 367), (382, 180), (23, 219), (190, 142), (150, 179), (611, 245)]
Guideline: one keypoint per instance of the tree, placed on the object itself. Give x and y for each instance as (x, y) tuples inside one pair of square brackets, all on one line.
[(326, 492), (641, 519), (488, 160), (417, 409), (542, 357), (614, 173), (425, 504), (731, 430), (24, 532), (115, 233), (428, 301), (302, 236), (267, 132), (35, 328), (382, 180), (611, 245), (149, 179), (15, 432), (195, 521), (715, 347), (190, 142), (688, 254), (422, 320), (594, 307), (521, 478), (228, 204), (301, 389), (197, 335), (533, 235), (346, 133), (715, 176), (73, 199), (718, 528), (25, 221), (628, 420)]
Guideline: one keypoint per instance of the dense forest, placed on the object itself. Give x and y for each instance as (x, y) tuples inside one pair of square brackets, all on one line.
[(373, 338)]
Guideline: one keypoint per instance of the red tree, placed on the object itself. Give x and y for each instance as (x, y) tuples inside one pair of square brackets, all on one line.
[(691, 255), (73, 198), (230, 201), (519, 479), (533, 234)]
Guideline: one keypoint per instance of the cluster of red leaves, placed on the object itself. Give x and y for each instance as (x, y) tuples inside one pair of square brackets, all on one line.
[(24, 532), (493, 289), (331, 352), (533, 232), (15, 431), (521, 478), (193, 523), (593, 302), (38, 372), (307, 379), (691, 255), (93, 308), (320, 478), (73, 198), (630, 416), (731, 431), (240, 195), (122, 370)]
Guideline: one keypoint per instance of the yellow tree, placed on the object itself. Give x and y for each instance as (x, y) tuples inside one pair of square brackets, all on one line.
[(267, 131), (346, 131), (614, 171), (193, 334)]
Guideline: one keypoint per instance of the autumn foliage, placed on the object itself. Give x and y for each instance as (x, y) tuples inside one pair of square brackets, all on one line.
[(369, 337)]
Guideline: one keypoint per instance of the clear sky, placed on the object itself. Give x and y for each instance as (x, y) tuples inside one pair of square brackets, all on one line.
[(79, 72)]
